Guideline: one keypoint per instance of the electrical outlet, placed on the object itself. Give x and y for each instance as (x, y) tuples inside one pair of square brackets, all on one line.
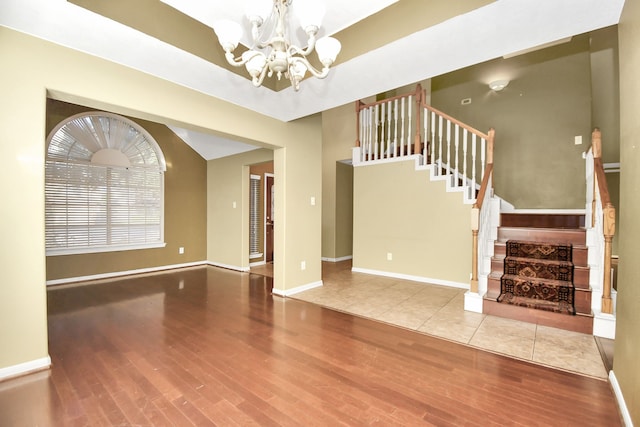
[(303, 265), (180, 250), (389, 256)]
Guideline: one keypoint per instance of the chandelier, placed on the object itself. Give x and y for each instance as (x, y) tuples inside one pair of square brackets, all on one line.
[(272, 51)]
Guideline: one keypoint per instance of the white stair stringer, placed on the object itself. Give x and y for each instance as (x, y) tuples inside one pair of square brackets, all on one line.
[(468, 188)]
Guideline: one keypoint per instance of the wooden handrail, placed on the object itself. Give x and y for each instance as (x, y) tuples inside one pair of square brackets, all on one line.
[(362, 105), (608, 217), (456, 121)]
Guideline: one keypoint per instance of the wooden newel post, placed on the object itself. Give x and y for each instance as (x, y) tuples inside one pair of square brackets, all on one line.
[(596, 143), (416, 139), (359, 105), (609, 218), (490, 142), (475, 221)]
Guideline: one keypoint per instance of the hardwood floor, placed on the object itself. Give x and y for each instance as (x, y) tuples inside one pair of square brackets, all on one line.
[(206, 346)]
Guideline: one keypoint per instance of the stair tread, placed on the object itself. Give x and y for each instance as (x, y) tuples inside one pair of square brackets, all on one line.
[(552, 282)]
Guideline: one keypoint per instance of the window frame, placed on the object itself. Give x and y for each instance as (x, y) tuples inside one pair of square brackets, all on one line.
[(110, 170)]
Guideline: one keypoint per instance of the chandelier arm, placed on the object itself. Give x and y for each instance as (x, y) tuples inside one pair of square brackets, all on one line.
[(237, 62), (314, 71), (311, 44), (257, 81)]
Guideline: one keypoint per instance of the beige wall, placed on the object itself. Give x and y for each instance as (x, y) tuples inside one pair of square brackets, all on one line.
[(344, 210), (547, 103), (185, 211), (33, 69), (338, 139), (627, 343), (228, 227), (426, 229)]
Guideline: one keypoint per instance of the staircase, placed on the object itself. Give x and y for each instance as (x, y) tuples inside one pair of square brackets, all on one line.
[(567, 276)]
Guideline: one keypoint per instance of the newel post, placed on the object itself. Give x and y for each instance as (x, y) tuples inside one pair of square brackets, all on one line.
[(490, 142), (359, 105), (416, 139), (609, 228), (475, 222)]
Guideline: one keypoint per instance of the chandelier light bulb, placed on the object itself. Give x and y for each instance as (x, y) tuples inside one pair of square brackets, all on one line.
[(229, 34), (328, 49)]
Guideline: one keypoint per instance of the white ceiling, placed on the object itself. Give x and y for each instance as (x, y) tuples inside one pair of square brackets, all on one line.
[(498, 29)]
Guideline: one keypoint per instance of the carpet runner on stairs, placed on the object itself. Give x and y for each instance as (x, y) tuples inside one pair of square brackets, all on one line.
[(538, 275)]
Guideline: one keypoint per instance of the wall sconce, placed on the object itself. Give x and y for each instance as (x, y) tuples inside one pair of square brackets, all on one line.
[(498, 85)]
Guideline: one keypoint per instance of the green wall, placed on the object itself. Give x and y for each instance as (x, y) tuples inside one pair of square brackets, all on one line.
[(185, 198), (547, 104), (627, 343)]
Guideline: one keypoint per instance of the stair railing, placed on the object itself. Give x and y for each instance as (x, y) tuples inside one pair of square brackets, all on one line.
[(600, 218), (405, 125), (481, 216)]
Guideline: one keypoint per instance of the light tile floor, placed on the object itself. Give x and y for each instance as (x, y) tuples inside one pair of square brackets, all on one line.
[(438, 310)]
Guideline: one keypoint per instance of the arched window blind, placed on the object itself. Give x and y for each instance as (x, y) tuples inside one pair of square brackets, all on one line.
[(104, 186)]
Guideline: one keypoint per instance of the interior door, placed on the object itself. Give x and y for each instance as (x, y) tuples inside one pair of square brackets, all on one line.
[(269, 218)]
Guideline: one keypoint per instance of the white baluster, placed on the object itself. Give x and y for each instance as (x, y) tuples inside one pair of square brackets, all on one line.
[(448, 148), (409, 122), (473, 158), (425, 150), (383, 117), (433, 137), (395, 126), (402, 129), (370, 147), (483, 154), (375, 134), (439, 170), (464, 154), (389, 129), (457, 131)]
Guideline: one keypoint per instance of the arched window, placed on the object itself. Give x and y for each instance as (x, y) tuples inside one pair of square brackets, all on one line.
[(104, 186)]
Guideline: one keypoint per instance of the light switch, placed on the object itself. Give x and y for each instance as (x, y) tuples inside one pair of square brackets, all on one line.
[(313, 201)]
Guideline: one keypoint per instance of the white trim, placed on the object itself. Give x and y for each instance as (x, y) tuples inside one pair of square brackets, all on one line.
[(257, 263), (122, 273), (264, 211), (228, 267), (342, 258), (97, 249), (296, 290), (413, 278), (255, 255), (25, 368), (617, 391), (604, 325), (473, 302), (252, 176)]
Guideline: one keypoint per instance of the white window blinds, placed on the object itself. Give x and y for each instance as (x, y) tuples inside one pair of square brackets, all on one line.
[(95, 207)]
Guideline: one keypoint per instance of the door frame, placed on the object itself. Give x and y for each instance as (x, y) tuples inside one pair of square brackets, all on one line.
[(264, 218)]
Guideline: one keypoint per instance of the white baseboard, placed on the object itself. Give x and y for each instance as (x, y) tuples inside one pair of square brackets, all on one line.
[(229, 267), (604, 325), (256, 264), (122, 273), (624, 411), (342, 258), (297, 289), (473, 302), (413, 278), (25, 368)]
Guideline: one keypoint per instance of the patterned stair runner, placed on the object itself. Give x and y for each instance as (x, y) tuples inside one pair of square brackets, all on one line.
[(538, 275)]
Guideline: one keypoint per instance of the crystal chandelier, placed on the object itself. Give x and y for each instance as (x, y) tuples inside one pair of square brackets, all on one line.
[(272, 51)]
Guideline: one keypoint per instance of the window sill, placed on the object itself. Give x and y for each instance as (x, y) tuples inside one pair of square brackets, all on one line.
[(98, 249)]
